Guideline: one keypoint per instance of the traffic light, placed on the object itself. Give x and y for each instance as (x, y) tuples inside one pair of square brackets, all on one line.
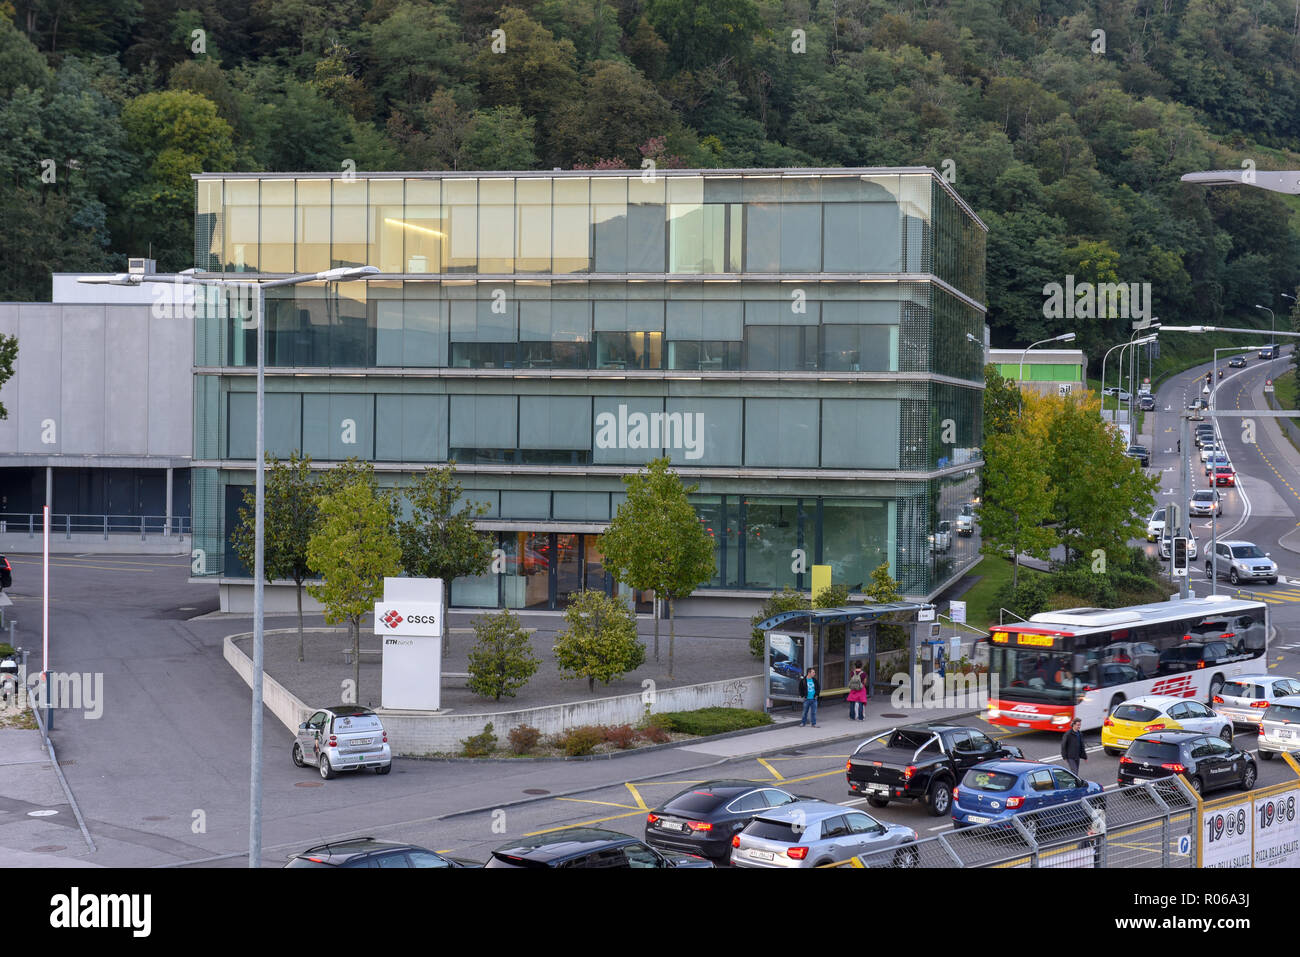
[(1179, 551)]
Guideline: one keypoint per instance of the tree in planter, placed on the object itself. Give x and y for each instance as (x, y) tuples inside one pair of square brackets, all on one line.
[(502, 660), (353, 549), (599, 640), (439, 540), (658, 541), (291, 492)]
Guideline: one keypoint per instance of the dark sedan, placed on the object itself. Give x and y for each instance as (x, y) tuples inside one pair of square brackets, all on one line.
[(1237, 362), (1141, 453), (585, 847), (368, 852), (1206, 760), (703, 819)]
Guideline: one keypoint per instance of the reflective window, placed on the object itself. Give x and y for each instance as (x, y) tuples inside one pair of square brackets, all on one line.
[(387, 228), (460, 206), (277, 226), (241, 225), (349, 229), (571, 245), (496, 225), (533, 225), (423, 227), (312, 225)]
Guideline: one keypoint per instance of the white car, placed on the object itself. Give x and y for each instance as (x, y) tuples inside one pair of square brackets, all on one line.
[(1209, 450), (1205, 502), (1156, 525), (1243, 699), (1280, 728)]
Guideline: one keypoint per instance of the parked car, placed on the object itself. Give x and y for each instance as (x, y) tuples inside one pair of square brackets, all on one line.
[(919, 762), (1207, 761), (1237, 362), (1000, 790), (703, 819), (1242, 561), (1156, 713), (814, 833), (1225, 475), (1147, 403), (1243, 700), (1141, 453), (1122, 394), (1205, 501), (588, 847), (1142, 655), (1194, 655), (368, 852), (6, 573), (1279, 730), (344, 738), (1155, 525)]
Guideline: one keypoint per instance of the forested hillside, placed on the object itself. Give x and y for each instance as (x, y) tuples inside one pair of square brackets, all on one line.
[(1069, 152)]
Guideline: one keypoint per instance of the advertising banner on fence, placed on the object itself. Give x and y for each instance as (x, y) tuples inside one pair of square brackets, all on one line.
[(1277, 830), (1225, 836)]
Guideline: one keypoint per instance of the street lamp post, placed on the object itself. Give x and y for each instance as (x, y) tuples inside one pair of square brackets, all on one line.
[(1066, 337), (1272, 332), (341, 274)]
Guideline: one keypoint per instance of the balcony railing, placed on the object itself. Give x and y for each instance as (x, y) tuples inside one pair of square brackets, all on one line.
[(67, 525)]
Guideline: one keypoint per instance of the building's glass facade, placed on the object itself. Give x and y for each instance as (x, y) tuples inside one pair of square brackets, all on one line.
[(794, 340)]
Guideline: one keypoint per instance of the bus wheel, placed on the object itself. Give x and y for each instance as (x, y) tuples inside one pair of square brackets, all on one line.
[(1115, 702), (1216, 685)]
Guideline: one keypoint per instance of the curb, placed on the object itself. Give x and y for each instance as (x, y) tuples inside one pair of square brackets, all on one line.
[(519, 802)]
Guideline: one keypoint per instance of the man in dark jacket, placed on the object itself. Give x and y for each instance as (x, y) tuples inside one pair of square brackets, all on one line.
[(1072, 748), (811, 690)]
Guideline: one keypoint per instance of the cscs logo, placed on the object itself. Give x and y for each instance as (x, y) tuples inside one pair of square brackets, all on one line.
[(392, 619)]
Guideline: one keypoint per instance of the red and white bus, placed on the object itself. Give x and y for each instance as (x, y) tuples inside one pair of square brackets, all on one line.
[(1082, 662)]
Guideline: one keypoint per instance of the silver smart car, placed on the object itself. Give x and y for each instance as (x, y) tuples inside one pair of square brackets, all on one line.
[(1280, 729), (344, 738), (813, 833)]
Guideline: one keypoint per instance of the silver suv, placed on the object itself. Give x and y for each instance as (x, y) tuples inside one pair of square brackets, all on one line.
[(346, 738), (1242, 561), (1243, 700), (813, 833), (1280, 729)]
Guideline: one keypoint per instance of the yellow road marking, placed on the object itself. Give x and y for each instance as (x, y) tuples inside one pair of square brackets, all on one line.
[(590, 801), (599, 820), (636, 795), (775, 773)]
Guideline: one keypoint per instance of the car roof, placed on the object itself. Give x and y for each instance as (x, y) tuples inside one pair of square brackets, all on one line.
[(1169, 736), (1011, 766), (558, 845), (1290, 700), (344, 710), (805, 811), (352, 847), (1233, 544), (1156, 700), (933, 728), (724, 790), (1262, 679)]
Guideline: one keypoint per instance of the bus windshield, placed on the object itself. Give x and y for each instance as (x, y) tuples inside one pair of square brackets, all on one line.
[(1027, 674)]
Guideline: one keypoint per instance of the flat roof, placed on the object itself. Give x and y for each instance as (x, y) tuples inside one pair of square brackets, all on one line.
[(1054, 355), (842, 616), (749, 173)]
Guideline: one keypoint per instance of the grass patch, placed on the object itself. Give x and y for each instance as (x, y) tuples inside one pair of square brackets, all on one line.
[(981, 599), (1284, 390), (710, 720)]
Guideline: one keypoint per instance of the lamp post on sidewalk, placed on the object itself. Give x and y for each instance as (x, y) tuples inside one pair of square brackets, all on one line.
[(341, 274)]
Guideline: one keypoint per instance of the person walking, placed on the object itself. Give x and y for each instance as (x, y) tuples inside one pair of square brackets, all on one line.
[(857, 693), (1072, 748), (812, 689)]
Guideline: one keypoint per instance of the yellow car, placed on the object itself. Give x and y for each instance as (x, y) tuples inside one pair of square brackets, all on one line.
[(1159, 713)]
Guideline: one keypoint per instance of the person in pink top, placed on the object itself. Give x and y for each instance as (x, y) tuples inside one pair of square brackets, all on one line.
[(858, 693)]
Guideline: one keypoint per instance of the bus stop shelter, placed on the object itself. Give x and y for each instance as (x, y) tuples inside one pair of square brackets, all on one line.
[(830, 640)]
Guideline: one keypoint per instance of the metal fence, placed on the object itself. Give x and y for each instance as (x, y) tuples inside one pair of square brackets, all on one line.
[(1144, 825), (67, 525)]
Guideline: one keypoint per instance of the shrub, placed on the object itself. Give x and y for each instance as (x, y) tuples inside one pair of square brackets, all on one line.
[(6, 650), (480, 745), (711, 720), (599, 641), (1028, 598), (622, 736), (583, 739), (523, 738), (655, 734), (502, 660)]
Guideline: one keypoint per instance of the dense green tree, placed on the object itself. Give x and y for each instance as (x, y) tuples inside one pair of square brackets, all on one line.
[(598, 641)]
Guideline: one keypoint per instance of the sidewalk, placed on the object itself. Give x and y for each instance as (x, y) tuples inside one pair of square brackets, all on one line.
[(34, 812)]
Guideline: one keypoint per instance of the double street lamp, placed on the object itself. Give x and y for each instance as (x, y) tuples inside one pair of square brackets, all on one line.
[(339, 274), (1066, 337)]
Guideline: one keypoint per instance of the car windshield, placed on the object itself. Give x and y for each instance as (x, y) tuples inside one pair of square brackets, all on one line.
[(1134, 712), (1248, 551), (352, 723), (1158, 515), (1203, 496), (696, 802), (1239, 689), (1282, 712), (1149, 751), (988, 780), (782, 831)]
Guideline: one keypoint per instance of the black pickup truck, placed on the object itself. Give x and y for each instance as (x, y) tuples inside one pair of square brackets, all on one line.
[(920, 762)]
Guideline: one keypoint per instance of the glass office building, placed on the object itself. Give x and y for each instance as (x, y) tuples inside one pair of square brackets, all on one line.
[(795, 340)]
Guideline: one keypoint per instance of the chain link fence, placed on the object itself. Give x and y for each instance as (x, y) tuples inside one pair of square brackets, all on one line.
[(1153, 824)]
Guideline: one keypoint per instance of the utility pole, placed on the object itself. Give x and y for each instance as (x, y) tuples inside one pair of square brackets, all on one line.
[(1184, 520)]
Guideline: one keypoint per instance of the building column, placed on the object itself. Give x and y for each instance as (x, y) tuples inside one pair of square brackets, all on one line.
[(167, 524), (49, 487)]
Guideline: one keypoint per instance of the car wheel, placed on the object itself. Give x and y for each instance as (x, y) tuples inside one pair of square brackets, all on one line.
[(385, 769), (1266, 755), (940, 799), (326, 771), (1195, 783), (1226, 733), (823, 862), (297, 756), (878, 802), (1216, 685), (1248, 776), (1209, 569), (907, 857), (1115, 702), (1232, 576), (1272, 581)]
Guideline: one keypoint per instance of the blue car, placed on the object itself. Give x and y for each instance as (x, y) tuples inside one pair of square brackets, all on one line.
[(997, 791)]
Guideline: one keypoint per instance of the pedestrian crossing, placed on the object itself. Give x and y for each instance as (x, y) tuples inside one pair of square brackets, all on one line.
[(1274, 595)]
